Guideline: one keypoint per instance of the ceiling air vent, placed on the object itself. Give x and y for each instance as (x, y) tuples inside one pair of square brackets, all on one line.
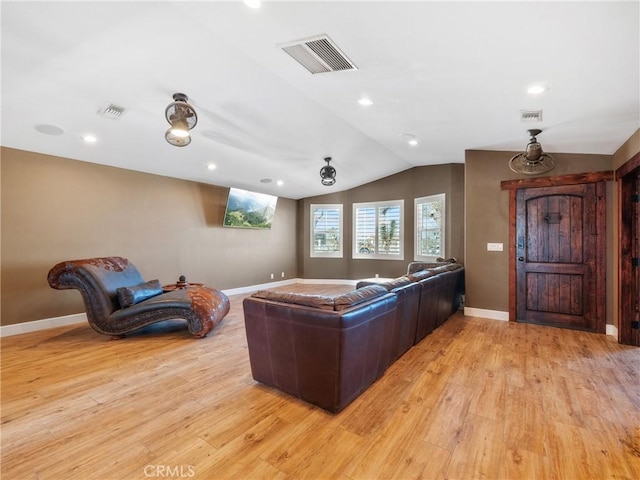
[(111, 111), (530, 115), (318, 55)]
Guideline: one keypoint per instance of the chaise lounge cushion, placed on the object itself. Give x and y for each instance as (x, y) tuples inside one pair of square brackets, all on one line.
[(128, 296)]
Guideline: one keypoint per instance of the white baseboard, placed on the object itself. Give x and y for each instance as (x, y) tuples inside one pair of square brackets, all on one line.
[(26, 327), (261, 286), (490, 314), (612, 330)]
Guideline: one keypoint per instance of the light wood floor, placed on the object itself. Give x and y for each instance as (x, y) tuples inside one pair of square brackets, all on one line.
[(475, 399)]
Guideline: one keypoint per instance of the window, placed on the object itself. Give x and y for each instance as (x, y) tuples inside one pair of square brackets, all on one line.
[(326, 231), (430, 224), (377, 230)]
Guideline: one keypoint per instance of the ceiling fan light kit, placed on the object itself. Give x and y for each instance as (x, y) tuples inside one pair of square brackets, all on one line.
[(533, 161), (182, 117)]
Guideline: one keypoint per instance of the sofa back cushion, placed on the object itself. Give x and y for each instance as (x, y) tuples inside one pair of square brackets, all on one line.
[(390, 285), (417, 266), (360, 295), (317, 301), (421, 275), (324, 302)]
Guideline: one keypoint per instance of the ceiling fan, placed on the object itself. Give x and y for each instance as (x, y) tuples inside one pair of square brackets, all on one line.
[(533, 161)]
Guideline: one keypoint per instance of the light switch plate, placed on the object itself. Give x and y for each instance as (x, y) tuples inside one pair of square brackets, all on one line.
[(494, 247)]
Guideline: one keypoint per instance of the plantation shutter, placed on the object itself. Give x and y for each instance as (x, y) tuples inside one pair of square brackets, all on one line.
[(389, 230), (326, 233), (365, 229), (430, 226)]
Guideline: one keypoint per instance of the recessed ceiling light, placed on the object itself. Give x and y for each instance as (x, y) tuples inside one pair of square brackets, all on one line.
[(280, 183), (89, 138), (365, 101), (537, 89), (252, 3), (211, 166), (49, 129), (410, 138)]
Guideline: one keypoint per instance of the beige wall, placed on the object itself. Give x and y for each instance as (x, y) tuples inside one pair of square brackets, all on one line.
[(408, 185), (487, 221), (55, 209)]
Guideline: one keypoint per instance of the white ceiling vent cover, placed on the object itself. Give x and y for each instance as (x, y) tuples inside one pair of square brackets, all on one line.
[(530, 115), (318, 55), (111, 111)]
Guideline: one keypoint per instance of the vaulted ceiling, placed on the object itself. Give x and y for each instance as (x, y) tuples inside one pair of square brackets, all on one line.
[(452, 74)]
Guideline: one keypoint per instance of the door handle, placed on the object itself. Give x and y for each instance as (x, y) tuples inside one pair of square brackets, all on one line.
[(520, 259)]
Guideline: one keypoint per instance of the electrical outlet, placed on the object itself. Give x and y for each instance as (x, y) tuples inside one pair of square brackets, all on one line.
[(494, 247), (282, 275), (272, 276)]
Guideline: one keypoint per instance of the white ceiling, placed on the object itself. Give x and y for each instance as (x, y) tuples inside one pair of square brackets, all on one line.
[(454, 74)]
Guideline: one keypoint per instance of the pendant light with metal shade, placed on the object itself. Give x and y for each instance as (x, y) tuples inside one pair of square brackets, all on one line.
[(182, 117), (533, 161)]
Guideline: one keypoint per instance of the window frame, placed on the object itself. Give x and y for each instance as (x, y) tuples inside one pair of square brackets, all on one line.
[(356, 254), (320, 254), (418, 227)]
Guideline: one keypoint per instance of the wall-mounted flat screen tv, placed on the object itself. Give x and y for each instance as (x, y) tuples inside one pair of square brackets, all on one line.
[(249, 209)]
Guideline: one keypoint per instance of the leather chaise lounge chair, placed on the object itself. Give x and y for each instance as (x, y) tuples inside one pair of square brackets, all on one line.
[(118, 300)]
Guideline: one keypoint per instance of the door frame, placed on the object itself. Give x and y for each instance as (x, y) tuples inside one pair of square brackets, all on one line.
[(573, 179), (626, 305)]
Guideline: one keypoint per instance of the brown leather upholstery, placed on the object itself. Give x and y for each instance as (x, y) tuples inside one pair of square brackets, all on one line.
[(434, 297), (408, 292), (307, 346), (418, 266), (440, 296), (325, 357), (98, 280)]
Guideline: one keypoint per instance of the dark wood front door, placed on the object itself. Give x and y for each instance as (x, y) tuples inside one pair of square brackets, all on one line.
[(629, 245), (559, 247)]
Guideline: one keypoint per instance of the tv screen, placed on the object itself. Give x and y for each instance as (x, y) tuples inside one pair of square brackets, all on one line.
[(249, 209)]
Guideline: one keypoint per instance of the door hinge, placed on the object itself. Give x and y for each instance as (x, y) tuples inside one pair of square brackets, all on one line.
[(635, 198), (635, 325), (635, 261)]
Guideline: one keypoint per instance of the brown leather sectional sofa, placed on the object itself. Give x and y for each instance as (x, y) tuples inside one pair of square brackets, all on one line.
[(328, 350)]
